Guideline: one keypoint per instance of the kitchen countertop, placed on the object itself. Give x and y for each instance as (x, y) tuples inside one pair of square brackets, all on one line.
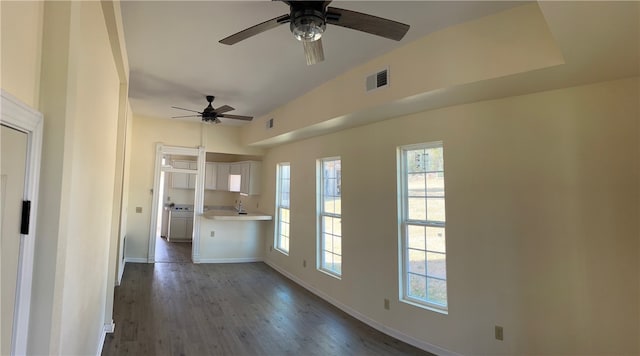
[(225, 214)]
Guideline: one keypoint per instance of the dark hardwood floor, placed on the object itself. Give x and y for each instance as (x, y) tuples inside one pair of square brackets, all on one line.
[(172, 251), (232, 309)]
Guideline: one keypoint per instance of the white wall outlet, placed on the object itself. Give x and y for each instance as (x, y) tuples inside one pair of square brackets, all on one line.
[(213, 233), (386, 304), (138, 209), (304, 263)]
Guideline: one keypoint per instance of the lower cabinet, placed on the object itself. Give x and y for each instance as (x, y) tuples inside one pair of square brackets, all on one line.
[(180, 227)]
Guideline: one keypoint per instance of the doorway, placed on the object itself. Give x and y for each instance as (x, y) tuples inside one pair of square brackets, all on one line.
[(21, 143), (182, 176)]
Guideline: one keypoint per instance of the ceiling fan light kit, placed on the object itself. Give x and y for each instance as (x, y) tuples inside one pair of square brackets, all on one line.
[(308, 25), (308, 21)]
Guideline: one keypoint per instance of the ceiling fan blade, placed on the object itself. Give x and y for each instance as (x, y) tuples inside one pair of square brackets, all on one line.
[(223, 109), (313, 52), (367, 23), (236, 117), (254, 30), (175, 107), (178, 117)]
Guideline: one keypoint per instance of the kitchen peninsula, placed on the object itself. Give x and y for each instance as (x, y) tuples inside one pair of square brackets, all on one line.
[(227, 236)]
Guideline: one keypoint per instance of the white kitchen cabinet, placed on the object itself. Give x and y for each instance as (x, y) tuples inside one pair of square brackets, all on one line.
[(250, 183), (184, 180), (242, 177), (222, 176), (180, 227), (210, 175)]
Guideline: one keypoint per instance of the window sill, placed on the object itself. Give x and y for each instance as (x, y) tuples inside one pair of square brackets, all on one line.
[(328, 273), (433, 308)]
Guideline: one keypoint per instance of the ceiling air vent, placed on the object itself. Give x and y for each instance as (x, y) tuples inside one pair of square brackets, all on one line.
[(378, 80)]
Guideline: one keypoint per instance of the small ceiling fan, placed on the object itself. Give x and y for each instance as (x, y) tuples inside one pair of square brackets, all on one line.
[(213, 115), (308, 20)]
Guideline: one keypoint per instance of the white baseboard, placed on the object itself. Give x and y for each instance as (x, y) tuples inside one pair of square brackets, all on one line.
[(135, 260), (231, 260), (107, 328), (365, 319)]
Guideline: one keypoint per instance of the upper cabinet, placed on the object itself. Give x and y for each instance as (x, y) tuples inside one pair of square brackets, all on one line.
[(242, 177), (250, 177), (210, 175), (222, 176), (184, 180)]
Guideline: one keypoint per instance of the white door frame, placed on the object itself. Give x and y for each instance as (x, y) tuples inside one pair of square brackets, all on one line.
[(21, 117), (162, 150)]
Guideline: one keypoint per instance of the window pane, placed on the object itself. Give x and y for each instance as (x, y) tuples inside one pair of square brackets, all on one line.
[(285, 244), (328, 259), (417, 286), (417, 183), (337, 245), (417, 209), (284, 215), (328, 242), (435, 184), (436, 265), (415, 161), (436, 239), (437, 291), (337, 226), (417, 262), (327, 224), (329, 206), (337, 264), (435, 208), (416, 237), (284, 171), (434, 159)]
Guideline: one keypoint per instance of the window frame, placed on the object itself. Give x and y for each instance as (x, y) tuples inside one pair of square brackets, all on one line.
[(321, 214), (278, 241), (403, 228)]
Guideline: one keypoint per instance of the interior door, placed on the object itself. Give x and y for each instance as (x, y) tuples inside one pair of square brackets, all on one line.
[(14, 145)]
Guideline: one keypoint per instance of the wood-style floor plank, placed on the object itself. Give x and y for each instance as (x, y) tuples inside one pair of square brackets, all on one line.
[(232, 309)]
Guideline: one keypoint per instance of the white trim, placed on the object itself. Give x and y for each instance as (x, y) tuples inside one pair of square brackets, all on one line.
[(231, 260), (121, 272), (107, 328), (365, 319), (135, 260), (17, 115), (161, 150)]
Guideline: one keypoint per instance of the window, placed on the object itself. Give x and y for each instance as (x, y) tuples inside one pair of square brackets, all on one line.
[(329, 216), (423, 279), (283, 189)]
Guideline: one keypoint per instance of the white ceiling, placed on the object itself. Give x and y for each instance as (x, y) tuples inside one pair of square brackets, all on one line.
[(176, 60)]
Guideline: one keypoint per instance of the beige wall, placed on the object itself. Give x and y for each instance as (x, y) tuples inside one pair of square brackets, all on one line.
[(146, 133), (92, 177), (542, 233), (57, 57), (21, 41)]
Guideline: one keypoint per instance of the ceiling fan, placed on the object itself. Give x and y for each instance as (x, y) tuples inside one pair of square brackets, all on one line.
[(213, 115), (308, 20)]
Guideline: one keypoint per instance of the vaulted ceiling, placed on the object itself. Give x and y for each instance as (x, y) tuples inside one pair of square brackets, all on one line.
[(176, 60)]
